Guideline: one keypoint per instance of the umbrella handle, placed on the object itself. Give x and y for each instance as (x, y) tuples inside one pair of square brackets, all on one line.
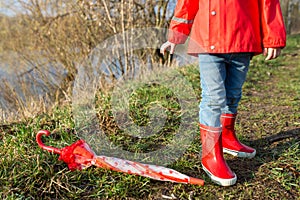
[(42, 145)]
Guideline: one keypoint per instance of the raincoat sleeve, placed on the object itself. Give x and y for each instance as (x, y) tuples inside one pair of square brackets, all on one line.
[(273, 28), (182, 21)]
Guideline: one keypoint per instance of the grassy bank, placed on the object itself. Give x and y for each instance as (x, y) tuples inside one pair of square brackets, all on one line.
[(269, 120)]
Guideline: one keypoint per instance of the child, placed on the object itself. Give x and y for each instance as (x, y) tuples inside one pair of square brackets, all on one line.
[(225, 35)]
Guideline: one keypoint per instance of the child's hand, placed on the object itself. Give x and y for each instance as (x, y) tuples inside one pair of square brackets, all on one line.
[(167, 45), (271, 53)]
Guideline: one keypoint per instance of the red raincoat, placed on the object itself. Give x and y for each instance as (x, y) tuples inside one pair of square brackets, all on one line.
[(229, 26)]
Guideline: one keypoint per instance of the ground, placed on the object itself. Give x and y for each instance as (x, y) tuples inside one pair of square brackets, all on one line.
[(268, 120)]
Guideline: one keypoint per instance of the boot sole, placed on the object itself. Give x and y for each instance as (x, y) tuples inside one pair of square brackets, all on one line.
[(220, 181), (239, 154)]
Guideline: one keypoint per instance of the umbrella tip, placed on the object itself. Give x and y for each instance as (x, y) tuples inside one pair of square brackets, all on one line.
[(196, 181)]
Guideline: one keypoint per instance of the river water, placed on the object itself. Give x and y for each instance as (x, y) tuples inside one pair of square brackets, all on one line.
[(23, 80)]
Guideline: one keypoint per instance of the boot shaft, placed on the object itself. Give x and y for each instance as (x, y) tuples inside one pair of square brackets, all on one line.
[(228, 122), (211, 140)]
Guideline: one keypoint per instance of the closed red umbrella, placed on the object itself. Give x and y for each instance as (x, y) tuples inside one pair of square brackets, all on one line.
[(79, 155)]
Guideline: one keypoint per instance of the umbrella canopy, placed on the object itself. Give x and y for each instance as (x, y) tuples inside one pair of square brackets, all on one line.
[(79, 156)]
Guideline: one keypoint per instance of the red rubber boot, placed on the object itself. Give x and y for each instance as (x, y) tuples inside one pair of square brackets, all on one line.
[(230, 142), (213, 162)]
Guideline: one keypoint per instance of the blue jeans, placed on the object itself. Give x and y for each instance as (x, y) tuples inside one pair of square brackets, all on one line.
[(222, 77)]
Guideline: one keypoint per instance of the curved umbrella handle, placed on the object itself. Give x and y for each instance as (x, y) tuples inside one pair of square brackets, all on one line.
[(42, 145)]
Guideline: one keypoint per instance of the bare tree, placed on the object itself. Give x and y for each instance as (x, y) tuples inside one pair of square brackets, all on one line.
[(65, 33), (291, 13)]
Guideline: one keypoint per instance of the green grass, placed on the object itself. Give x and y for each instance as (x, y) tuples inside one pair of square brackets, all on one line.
[(269, 120)]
